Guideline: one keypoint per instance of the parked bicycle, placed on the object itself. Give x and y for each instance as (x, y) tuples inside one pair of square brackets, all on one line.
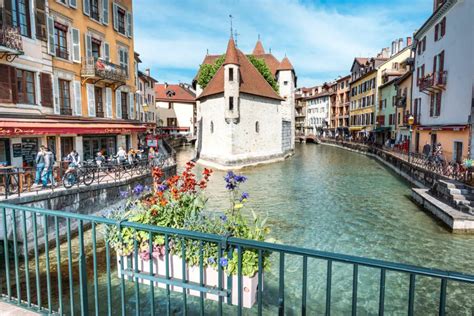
[(9, 180), (76, 174)]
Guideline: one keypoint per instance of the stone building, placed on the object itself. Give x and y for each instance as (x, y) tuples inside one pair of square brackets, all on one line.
[(242, 119), (146, 107), (340, 112), (318, 109)]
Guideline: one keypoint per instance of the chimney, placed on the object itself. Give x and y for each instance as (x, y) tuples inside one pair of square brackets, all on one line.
[(400, 44), (394, 47), (409, 41), (147, 72), (166, 85)]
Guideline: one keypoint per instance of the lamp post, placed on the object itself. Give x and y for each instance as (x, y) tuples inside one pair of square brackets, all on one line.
[(411, 120)]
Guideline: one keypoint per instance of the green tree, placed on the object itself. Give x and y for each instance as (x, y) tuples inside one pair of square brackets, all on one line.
[(264, 71), (207, 71)]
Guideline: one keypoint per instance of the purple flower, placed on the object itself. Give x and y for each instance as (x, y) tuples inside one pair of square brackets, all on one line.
[(138, 189), (223, 218), (162, 187), (123, 194), (229, 176), (244, 196), (147, 188), (240, 179), (224, 262), (230, 186), (211, 260)]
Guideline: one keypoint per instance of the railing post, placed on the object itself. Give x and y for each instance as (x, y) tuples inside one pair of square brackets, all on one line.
[(82, 272)]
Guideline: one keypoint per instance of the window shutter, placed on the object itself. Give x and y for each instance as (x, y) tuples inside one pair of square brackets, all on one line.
[(432, 105), (77, 97), (106, 51), (118, 103), (129, 23), (7, 16), (51, 44), (443, 26), (108, 102), (90, 99), (438, 104), (88, 39), (86, 7), (56, 96), (76, 45), (73, 3), (434, 64), (131, 105), (40, 19), (441, 61), (105, 12), (436, 32), (46, 90), (115, 9), (7, 83)]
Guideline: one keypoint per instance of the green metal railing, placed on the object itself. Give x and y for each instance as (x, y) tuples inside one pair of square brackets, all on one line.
[(55, 262)]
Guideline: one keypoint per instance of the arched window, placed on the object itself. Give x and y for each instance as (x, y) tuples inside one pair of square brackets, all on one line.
[(212, 127), (257, 127)]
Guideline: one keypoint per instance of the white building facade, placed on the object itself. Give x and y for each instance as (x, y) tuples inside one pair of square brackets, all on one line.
[(443, 78)]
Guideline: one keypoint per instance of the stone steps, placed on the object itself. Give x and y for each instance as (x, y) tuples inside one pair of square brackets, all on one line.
[(457, 194)]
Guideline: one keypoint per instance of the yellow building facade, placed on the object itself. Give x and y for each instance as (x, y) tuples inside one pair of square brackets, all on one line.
[(362, 104), (94, 75)]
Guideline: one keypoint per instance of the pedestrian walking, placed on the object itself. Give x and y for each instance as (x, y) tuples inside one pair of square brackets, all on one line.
[(39, 165), (48, 168)]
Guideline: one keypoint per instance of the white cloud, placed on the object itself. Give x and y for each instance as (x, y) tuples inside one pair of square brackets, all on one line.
[(318, 40)]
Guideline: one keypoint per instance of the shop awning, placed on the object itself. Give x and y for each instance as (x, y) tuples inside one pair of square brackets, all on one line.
[(383, 129), (356, 128), (51, 127), (441, 127)]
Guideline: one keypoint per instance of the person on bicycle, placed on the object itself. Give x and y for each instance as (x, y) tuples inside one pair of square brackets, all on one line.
[(73, 158)]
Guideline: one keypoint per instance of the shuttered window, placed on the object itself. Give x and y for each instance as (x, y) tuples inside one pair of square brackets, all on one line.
[(40, 19), (7, 84), (20, 13), (64, 97), (46, 90), (25, 86)]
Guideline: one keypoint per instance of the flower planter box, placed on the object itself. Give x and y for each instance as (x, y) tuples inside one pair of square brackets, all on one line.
[(192, 274)]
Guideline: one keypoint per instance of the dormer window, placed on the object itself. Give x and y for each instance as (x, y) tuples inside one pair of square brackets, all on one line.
[(231, 74), (231, 103), (170, 93)]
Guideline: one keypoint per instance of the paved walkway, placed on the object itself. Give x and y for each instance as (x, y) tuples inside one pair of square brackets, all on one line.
[(12, 310)]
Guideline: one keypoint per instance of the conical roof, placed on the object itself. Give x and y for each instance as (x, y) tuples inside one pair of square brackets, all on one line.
[(285, 65), (258, 50), (231, 55)]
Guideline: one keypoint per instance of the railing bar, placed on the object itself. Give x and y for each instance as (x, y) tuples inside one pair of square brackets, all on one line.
[(230, 255), (328, 287), (411, 295), (304, 285), (6, 254), (201, 277), (122, 268), (239, 280), (15, 257), (94, 262), (46, 250), (109, 287), (183, 272), (152, 286), (58, 268), (281, 287), (82, 271), (37, 271), (135, 268), (355, 280), (167, 262), (69, 257), (221, 246), (442, 297), (27, 263), (382, 292), (260, 282)]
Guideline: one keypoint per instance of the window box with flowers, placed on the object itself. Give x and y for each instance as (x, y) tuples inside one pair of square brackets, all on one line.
[(179, 202)]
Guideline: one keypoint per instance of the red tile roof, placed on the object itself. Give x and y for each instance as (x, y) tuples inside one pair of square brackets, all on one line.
[(231, 53), (251, 81), (174, 92), (285, 65), (258, 50)]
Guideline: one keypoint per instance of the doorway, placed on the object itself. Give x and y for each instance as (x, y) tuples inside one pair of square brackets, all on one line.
[(457, 152), (5, 152)]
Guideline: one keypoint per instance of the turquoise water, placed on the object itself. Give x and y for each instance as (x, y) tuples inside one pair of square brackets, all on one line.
[(331, 199)]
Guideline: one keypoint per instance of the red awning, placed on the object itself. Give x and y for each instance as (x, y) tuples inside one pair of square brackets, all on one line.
[(442, 128), (29, 127)]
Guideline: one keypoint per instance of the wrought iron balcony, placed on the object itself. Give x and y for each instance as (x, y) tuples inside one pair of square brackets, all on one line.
[(103, 70), (65, 111), (401, 101), (11, 43), (433, 82)]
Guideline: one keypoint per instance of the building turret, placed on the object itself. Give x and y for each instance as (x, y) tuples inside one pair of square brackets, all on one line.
[(231, 83), (258, 50), (287, 84)]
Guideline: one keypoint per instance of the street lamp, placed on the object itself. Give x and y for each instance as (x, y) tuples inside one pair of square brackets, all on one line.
[(411, 120)]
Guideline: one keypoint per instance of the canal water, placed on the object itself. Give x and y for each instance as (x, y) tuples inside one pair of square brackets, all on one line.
[(322, 198)]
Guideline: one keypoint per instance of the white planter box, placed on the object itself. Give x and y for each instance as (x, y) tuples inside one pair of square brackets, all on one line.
[(192, 274)]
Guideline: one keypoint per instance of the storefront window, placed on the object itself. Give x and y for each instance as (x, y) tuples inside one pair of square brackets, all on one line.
[(67, 145), (93, 144), (5, 152), (29, 149)]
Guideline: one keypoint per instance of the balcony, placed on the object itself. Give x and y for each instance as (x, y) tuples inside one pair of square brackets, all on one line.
[(401, 101), (102, 70), (11, 44), (433, 82), (65, 111)]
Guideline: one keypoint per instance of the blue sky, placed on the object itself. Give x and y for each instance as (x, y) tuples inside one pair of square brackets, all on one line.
[(321, 37)]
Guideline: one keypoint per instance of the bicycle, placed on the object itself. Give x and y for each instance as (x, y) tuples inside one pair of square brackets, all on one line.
[(10, 180), (74, 174)]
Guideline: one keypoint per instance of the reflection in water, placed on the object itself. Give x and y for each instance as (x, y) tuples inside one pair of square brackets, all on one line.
[(328, 199)]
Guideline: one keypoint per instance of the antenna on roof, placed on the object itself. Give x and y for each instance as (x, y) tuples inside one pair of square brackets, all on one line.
[(235, 35), (207, 51), (231, 30), (270, 50), (258, 36)]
